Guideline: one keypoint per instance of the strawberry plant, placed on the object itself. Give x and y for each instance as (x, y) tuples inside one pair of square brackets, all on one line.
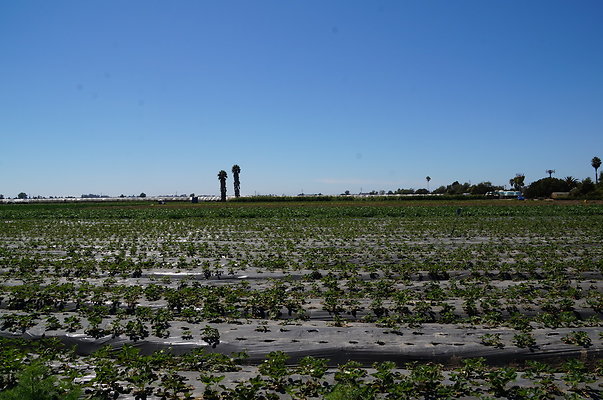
[(350, 373), (136, 330), (385, 377), (468, 377), (211, 336), (499, 379), (174, 387), (524, 340), (275, 367), (211, 381), (426, 378), (492, 339), (576, 375), (350, 392), (579, 338), (313, 367), (72, 323)]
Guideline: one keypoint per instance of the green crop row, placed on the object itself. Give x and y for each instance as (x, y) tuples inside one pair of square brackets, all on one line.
[(108, 374), (285, 210)]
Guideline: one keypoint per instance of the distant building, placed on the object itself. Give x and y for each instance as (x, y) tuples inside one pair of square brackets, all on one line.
[(560, 195), (505, 194)]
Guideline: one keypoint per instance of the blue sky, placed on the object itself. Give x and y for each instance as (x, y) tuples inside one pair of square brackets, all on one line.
[(322, 96)]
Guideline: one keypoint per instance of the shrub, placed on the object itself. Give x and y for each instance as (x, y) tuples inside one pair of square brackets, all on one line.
[(36, 383), (545, 187)]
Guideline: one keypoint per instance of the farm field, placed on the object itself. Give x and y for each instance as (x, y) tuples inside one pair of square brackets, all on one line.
[(340, 300)]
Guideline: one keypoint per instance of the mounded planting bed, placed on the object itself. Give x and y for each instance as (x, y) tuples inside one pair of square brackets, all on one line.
[(322, 300)]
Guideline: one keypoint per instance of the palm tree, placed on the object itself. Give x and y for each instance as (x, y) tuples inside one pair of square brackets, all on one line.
[(236, 170), (596, 163), (550, 172), (428, 178), (571, 182), (222, 178)]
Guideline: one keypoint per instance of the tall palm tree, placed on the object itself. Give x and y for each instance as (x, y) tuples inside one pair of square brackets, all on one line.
[(596, 163), (428, 178), (236, 170), (222, 178), (550, 172)]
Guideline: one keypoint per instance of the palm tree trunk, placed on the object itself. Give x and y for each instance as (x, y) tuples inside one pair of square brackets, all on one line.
[(237, 186), (223, 189)]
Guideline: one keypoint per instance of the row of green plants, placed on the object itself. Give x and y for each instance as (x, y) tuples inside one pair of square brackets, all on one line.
[(337, 209), (557, 303), (46, 370), (411, 243)]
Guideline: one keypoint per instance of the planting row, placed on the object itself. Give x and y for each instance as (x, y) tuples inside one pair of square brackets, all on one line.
[(128, 373)]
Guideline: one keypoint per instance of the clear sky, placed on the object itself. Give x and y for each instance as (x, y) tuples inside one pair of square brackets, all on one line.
[(116, 96)]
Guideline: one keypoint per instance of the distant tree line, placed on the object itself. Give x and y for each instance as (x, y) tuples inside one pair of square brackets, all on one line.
[(540, 188), (455, 188), (577, 189)]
